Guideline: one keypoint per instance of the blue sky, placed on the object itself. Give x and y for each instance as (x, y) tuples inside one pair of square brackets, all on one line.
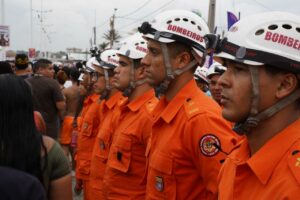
[(69, 22)]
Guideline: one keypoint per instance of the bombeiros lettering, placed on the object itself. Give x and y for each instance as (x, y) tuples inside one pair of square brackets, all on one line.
[(113, 61), (139, 48), (282, 39), (185, 32)]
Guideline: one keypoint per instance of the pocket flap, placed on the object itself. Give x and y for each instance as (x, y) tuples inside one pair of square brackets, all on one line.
[(162, 163)]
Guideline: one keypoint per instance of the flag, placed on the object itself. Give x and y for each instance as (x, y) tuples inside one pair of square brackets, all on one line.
[(231, 19)]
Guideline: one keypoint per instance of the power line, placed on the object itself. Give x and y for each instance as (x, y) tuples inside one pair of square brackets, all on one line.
[(149, 14), (132, 12), (125, 16), (262, 5)]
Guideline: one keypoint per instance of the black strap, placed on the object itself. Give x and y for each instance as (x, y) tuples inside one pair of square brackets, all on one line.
[(242, 54)]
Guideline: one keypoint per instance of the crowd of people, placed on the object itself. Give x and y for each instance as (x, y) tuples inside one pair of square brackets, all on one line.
[(154, 120)]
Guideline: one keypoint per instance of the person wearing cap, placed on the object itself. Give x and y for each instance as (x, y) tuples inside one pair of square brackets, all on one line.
[(111, 96), (87, 132), (213, 74), (126, 162), (190, 139), (22, 66), (72, 96), (200, 77), (260, 92)]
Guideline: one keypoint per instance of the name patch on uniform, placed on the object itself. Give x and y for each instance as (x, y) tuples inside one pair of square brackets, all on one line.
[(159, 183), (208, 145), (85, 125)]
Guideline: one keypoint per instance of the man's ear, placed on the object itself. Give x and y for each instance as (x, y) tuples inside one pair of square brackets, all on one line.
[(140, 72), (183, 59), (288, 83)]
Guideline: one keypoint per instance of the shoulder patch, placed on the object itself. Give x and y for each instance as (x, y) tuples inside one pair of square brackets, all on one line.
[(294, 163), (191, 107), (209, 145)]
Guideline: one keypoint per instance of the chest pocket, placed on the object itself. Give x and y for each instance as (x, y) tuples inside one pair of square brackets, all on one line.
[(103, 144), (87, 128), (120, 157), (161, 180)]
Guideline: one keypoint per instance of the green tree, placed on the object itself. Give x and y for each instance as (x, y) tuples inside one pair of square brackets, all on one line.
[(103, 46), (111, 36)]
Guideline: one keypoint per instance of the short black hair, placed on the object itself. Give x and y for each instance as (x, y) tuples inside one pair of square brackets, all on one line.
[(74, 73), (5, 68), (67, 70), (41, 63)]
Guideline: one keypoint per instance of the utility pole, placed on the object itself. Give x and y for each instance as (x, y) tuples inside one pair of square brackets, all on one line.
[(2, 12), (94, 30), (211, 15), (112, 28)]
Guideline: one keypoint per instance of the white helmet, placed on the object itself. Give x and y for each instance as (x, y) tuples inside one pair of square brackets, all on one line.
[(134, 47), (109, 59), (200, 74), (89, 64), (177, 25), (266, 38), (181, 26), (270, 38), (215, 68)]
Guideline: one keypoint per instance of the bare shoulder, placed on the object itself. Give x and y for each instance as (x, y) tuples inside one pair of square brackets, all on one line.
[(49, 142)]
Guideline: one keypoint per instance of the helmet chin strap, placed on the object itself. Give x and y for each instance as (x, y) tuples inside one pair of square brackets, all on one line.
[(106, 92), (132, 84), (255, 117), (170, 73)]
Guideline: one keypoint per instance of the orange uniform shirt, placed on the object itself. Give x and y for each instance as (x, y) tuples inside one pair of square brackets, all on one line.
[(109, 113), (273, 172), (126, 165), (186, 149), (88, 101), (86, 138)]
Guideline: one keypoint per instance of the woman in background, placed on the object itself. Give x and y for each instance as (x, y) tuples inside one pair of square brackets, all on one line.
[(22, 147)]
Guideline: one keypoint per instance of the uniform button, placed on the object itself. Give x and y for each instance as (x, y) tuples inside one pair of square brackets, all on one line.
[(119, 156)]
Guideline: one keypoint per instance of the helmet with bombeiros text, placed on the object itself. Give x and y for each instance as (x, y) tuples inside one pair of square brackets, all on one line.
[(135, 48), (177, 26), (272, 39)]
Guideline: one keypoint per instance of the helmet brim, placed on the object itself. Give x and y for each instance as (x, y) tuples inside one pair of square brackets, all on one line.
[(230, 57)]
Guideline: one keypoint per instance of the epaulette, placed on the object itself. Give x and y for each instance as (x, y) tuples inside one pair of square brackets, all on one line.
[(294, 161), (191, 108), (150, 105)]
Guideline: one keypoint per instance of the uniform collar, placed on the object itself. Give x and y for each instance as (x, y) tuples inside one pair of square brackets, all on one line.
[(186, 93), (136, 104), (264, 161), (112, 101), (95, 97), (91, 98)]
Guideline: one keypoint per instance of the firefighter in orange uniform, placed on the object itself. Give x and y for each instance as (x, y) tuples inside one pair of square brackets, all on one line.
[(126, 164), (110, 96), (190, 138), (87, 132), (260, 92)]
